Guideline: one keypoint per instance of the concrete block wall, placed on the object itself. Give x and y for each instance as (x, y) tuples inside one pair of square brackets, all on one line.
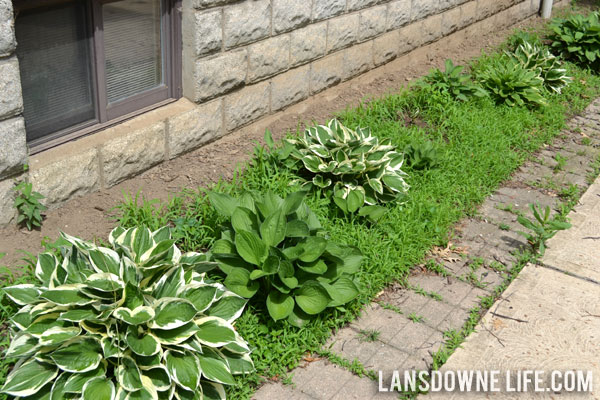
[(242, 60)]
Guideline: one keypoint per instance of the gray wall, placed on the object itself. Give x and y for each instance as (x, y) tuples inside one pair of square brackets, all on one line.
[(242, 60)]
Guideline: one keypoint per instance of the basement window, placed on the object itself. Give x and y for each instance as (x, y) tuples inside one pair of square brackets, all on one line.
[(86, 64)]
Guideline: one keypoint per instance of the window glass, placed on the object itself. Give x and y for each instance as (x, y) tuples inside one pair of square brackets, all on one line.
[(54, 51), (132, 47)]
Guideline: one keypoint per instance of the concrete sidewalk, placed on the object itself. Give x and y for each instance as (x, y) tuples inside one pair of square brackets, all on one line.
[(549, 317)]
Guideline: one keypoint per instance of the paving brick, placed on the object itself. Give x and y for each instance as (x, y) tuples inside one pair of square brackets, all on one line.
[(413, 337), (272, 391), (406, 300), (356, 388), (473, 298), (325, 380), (387, 322), (347, 343), (429, 283), (455, 320), (434, 312), (387, 360), (454, 291)]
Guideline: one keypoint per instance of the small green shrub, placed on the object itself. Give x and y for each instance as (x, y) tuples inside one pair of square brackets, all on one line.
[(542, 226), (453, 82), (275, 248), (577, 38), (355, 168), (520, 37), (28, 206), (421, 156), (538, 58), (508, 82), (135, 321)]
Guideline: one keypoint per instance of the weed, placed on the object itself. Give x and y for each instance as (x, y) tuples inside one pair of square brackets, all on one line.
[(391, 307), (415, 318), (504, 227), (368, 335), (433, 266), (586, 141), (542, 226), (27, 203), (561, 162)]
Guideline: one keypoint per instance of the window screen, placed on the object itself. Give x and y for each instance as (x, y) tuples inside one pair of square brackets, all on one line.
[(54, 51)]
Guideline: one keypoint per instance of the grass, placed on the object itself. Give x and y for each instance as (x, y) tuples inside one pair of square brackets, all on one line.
[(368, 335), (479, 145)]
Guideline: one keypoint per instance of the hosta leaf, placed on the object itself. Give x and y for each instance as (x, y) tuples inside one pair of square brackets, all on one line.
[(311, 297), (229, 307), (184, 369), (58, 388), (23, 294), (243, 219), (143, 344), (279, 305), (394, 182), (200, 295), (313, 247), (67, 295), (354, 200), (45, 266), (137, 316), (299, 318), (29, 378), (21, 345), (104, 260), (273, 229), (129, 375), (105, 282), (376, 185), (341, 291), (75, 382), (223, 246), (169, 284), (79, 314), (109, 349), (238, 281), (316, 267), (79, 356), (159, 377), (177, 335), (214, 331), (213, 391), (215, 368), (293, 201), (223, 203), (99, 389), (238, 363), (297, 229), (172, 313), (58, 335), (250, 247)]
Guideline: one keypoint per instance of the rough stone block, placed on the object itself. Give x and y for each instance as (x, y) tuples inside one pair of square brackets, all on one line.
[(358, 59), (328, 8), (202, 30), (250, 103), (247, 22), (13, 147), (7, 28), (410, 38), (290, 87), (342, 32), (398, 14), (308, 43), (219, 75), (83, 172), (358, 4), (468, 13), (290, 14), (535, 6), (193, 128), (423, 8), (268, 57), (451, 21), (432, 29), (133, 152), (372, 22), (447, 4), (385, 48), (7, 197), (326, 72), (11, 100)]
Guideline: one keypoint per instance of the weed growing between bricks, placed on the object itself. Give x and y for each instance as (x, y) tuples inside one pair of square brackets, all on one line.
[(480, 146)]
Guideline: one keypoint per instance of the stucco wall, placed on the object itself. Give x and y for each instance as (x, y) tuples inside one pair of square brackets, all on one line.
[(242, 60)]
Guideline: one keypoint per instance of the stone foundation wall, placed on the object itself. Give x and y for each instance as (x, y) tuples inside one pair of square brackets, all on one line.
[(242, 60)]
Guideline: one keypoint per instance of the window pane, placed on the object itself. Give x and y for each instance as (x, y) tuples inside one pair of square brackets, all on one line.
[(132, 46), (55, 61)]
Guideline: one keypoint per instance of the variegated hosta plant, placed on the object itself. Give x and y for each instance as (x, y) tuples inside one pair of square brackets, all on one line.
[(538, 58), (356, 166), (135, 321)]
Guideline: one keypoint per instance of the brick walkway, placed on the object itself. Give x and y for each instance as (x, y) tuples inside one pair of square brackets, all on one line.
[(412, 321)]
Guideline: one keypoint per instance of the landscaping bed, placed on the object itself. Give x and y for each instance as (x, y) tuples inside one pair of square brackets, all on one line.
[(468, 147)]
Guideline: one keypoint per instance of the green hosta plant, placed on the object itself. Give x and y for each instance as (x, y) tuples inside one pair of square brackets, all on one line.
[(508, 82), (354, 167), (135, 321), (536, 57), (577, 38), (453, 82), (420, 156), (275, 249)]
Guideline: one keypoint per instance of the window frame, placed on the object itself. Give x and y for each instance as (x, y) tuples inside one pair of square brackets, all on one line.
[(111, 114)]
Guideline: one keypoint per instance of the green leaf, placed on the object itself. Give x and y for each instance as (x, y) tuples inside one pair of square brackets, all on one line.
[(184, 369), (21, 345), (200, 295), (129, 375), (29, 378), (213, 391), (177, 335), (159, 377), (238, 281), (250, 247), (75, 382), (354, 200), (23, 294), (214, 331), (341, 291), (172, 313), (279, 305), (297, 229), (273, 229), (293, 201), (143, 344), (67, 295), (312, 298), (244, 219), (214, 368), (137, 316), (57, 335), (313, 246), (229, 307), (223, 203), (99, 389), (77, 357), (316, 267)]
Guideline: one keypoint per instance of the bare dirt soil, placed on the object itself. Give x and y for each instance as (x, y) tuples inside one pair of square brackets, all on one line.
[(89, 217)]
